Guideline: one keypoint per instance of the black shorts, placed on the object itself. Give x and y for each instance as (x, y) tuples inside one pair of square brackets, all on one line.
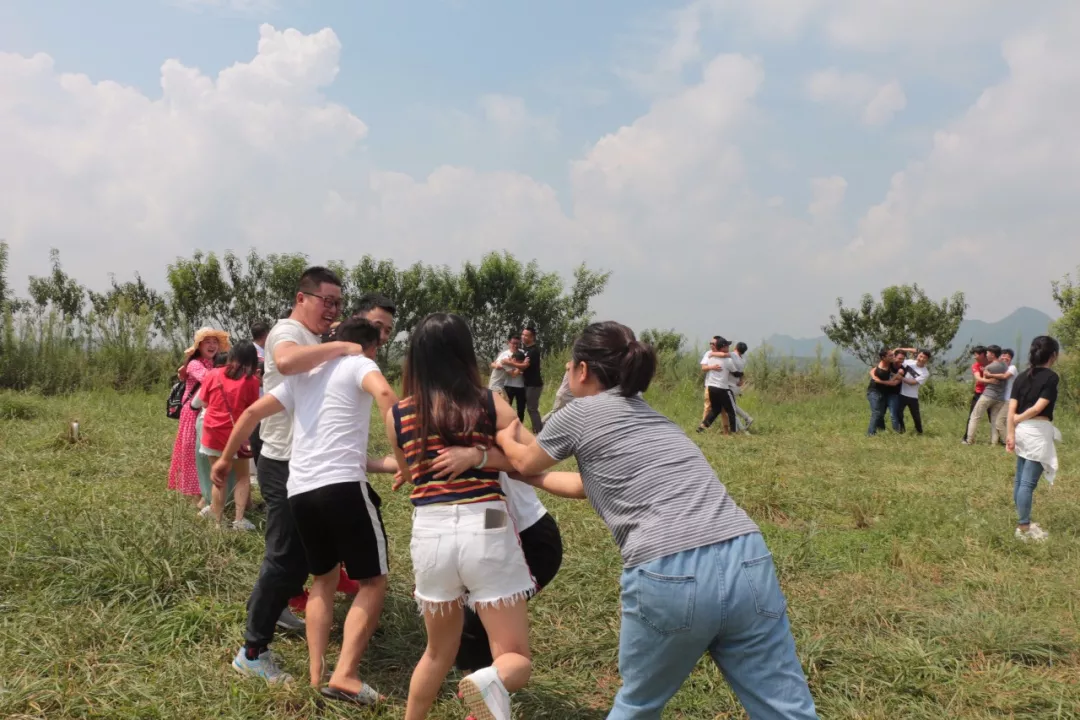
[(341, 523)]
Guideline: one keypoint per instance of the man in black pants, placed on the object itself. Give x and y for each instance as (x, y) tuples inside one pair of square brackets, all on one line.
[(916, 374), (534, 379), (292, 347), (542, 545), (718, 381)]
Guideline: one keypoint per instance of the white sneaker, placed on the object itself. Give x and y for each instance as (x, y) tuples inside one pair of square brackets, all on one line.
[(484, 695), (1036, 533), (205, 512), (243, 524)]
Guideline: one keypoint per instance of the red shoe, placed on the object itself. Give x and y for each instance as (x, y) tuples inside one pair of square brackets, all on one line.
[(346, 585), (299, 603)]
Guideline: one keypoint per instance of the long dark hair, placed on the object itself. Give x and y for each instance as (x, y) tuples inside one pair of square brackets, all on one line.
[(1043, 348), (443, 380), (616, 357), (243, 360)]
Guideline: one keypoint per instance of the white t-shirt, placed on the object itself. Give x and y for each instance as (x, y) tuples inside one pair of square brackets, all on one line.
[(521, 502), (921, 375), (499, 376), (331, 415), (1012, 373), (714, 378), (276, 430)]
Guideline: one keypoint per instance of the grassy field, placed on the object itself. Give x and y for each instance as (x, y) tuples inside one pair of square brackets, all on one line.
[(908, 595)]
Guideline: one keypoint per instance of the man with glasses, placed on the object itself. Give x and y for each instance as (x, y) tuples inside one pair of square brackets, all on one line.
[(292, 347)]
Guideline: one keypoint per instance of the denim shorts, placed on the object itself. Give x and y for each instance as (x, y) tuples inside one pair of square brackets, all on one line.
[(457, 559)]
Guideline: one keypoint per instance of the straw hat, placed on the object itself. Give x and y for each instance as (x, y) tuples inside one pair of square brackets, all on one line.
[(205, 334)]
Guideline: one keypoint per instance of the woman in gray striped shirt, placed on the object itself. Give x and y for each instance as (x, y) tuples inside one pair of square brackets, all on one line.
[(697, 576)]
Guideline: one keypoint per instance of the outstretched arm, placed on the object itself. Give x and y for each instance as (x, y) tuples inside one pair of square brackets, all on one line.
[(563, 484)]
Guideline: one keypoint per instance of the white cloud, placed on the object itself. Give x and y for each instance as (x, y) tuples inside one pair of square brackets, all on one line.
[(512, 120), (1001, 179), (874, 102), (828, 194)]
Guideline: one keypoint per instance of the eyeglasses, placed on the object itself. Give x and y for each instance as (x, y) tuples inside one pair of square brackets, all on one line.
[(330, 303)]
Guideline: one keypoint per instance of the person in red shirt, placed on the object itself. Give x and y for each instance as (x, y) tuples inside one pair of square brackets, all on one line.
[(227, 392), (977, 368)]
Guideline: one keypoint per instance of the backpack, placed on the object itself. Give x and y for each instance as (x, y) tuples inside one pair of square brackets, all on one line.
[(176, 400)]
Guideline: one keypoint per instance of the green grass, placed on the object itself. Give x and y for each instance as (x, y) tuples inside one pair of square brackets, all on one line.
[(908, 596)]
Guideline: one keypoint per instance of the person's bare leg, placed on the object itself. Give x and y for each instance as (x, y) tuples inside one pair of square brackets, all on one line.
[(242, 491), (318, 616), (217, 502), (444, 635), (360, 624), (508, 631)]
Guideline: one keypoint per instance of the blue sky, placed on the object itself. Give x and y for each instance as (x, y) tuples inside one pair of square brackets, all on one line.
[(737, 166)]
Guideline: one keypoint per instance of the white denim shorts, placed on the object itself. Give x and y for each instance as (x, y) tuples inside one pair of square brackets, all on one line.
[(456, 559)]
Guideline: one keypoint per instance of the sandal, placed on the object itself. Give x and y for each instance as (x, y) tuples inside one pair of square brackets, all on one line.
[(366, 697)]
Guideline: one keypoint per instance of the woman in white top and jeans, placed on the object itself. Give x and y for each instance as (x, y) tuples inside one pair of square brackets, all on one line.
[(697, 576)]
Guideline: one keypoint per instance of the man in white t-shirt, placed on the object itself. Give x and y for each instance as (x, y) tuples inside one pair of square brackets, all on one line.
[(292, 347), (717, 384), (503, 373), (334, 507), (915, 376)]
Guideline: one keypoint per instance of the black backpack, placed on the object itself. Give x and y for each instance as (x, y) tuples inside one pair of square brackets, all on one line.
[(176, 400)]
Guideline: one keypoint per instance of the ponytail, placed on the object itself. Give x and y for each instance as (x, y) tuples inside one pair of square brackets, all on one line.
[(616, 358), (638, 368), (1043, 348)]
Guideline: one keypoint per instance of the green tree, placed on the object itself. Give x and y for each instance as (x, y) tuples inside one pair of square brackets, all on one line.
[(59, 290), (132, 296), (905, 316), (502, 294), (1067, 296), (664, 341)]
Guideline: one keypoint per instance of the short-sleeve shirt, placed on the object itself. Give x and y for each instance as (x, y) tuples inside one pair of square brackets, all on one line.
[(276, 430), (330, 414), (651, 485), (995, 391), (220, 394), (1033, 384), (499, 376), (533, 376), (1012, 372), (713, 378), (920, 374), (881, 374), (976, 369)]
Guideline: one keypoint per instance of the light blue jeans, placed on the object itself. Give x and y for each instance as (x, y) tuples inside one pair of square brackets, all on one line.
[(1028, 473), (723, 599)]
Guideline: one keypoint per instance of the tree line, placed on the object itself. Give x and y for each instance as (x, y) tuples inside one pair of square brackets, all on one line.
[(497, 295)]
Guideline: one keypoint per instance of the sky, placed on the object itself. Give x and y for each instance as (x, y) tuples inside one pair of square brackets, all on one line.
[(737, 166)]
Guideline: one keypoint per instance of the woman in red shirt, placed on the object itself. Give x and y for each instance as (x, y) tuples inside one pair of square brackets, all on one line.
[(226, 393)]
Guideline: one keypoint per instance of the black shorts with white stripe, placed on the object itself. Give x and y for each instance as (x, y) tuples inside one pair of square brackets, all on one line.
[(342, 523)]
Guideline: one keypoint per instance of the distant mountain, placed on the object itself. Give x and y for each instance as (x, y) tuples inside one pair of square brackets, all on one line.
[(1015, 330)]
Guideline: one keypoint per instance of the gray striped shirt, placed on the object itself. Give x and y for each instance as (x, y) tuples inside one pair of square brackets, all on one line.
[(649, 482)]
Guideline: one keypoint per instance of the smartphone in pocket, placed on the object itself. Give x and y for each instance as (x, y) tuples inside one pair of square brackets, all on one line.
[(494, 518)]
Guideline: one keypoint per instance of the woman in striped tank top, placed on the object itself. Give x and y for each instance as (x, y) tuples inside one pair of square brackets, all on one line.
[(464, 548)]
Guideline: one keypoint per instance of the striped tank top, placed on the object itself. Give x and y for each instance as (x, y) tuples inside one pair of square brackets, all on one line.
[(473, 485)]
